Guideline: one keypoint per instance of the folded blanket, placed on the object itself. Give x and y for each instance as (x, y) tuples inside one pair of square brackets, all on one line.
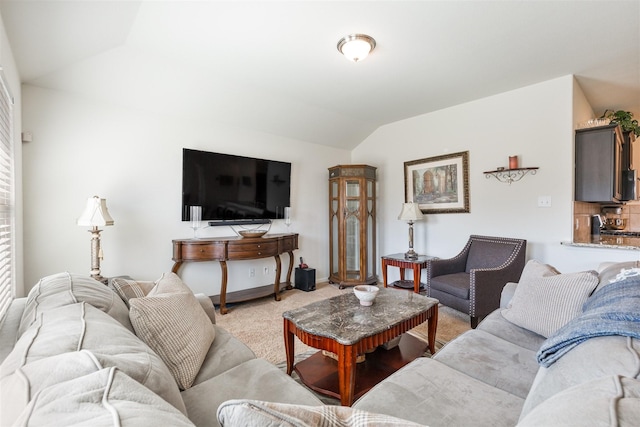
[(612, 310)]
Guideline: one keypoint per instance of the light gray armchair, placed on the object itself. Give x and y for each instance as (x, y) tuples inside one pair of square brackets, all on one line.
[(471, 282)]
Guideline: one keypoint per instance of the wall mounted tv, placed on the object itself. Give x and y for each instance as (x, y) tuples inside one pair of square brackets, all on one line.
[(231, 188)]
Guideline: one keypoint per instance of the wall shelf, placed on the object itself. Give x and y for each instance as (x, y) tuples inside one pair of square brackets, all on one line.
[(510, 175)]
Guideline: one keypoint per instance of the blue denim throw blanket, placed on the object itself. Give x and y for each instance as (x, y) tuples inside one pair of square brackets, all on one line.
[(612, 310)]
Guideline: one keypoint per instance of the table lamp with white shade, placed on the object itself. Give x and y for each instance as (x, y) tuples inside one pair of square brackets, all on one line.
[(95, 214), (410, 212)]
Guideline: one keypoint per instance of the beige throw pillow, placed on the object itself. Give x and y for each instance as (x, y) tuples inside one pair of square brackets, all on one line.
[(545, 300), (236, 413), (172, 322), (129, 289)]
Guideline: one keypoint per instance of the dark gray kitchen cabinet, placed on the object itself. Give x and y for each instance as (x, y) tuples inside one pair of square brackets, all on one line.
[(598, 164)]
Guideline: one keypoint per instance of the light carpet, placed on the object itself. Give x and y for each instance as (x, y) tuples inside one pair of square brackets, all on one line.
[(259, 323)]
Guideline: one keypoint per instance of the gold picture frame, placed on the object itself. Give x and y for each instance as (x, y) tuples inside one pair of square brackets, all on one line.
[(438, 184)]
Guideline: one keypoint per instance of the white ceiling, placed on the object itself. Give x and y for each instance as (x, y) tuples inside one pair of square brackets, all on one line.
[(273, 66)]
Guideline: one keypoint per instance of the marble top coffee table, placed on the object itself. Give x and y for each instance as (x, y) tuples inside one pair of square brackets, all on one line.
[(342, 326)]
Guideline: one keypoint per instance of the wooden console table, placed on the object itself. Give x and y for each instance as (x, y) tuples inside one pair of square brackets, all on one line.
[(225, 249)]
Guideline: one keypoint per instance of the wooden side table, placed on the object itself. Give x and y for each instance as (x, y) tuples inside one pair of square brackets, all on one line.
[(398, 260)]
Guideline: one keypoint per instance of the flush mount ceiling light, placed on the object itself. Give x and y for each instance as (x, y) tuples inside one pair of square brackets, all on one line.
[(356, 47)]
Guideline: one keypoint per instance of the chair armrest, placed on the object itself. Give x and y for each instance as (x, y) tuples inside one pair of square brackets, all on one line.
[(208, 306), (487, 285), (507, 294)]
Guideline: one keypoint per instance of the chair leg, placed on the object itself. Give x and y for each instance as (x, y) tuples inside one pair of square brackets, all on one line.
[(474, 322)]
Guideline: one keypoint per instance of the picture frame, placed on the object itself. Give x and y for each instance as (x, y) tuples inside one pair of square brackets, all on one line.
[(438, 184)]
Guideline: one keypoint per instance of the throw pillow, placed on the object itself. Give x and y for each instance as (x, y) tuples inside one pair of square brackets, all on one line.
[(128, 289), (172, 322), (546, 300), (257, 413)]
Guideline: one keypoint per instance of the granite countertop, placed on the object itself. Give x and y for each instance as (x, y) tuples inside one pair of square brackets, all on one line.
[(344, 320), (610, 241)]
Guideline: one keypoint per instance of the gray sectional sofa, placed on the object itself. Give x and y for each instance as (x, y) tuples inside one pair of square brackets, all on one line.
[(491, 376), (73, 343)]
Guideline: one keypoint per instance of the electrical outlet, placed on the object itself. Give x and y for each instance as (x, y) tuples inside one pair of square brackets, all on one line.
[(544, 201), (266, 271), (252, 272)]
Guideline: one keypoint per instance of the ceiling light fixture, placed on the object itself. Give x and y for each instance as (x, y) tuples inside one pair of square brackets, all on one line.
[(356, 47)]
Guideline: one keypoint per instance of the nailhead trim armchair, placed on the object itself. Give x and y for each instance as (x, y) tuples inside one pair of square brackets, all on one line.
[(471, 282)]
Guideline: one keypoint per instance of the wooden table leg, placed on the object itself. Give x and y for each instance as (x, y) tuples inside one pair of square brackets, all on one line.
[(384, 272), (276, 284), (346, 373), (223, 288), (290, 270), (289, 342), (432, 327), (416, 278), (176, 267)]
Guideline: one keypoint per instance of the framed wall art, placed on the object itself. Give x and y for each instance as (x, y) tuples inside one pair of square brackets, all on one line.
[(438, 184)]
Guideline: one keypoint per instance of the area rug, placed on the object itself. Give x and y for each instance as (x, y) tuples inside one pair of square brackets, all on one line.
[(259, 323)]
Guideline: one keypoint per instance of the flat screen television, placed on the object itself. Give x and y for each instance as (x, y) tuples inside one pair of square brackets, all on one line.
[(230, 187)]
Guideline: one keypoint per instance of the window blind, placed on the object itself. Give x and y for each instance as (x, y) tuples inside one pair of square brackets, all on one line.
[(7, 198)]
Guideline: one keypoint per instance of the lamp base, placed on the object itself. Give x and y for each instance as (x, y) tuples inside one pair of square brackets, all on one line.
[(411, 254)]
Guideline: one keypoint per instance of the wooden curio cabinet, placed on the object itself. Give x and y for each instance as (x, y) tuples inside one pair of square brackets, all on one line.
[(352, 225)]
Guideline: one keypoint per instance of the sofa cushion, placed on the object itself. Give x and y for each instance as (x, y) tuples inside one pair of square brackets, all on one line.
[(606, 401), (65, 288), (497, 325), (492, 360), (545, 300), (240, 413), (172, 322), (225, 353), (438, 395), (456, 284), (78, 327), (611, 271), (19, 387), (128, 289), (594, 358), (105, 398), (255, 379)]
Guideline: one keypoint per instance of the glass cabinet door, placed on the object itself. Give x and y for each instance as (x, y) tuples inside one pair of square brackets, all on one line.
[(352, 229), (352, 225)]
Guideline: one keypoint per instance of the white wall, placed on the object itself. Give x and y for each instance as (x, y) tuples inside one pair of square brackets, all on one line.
[(133, 159), (536, 123), (12, 79)]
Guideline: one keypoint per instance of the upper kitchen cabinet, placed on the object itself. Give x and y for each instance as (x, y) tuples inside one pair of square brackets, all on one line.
[(598, 164)]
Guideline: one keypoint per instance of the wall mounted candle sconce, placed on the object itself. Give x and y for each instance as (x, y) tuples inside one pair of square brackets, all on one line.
[(513, 174)]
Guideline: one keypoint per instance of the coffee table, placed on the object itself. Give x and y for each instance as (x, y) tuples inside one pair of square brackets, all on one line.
[(342, 326)]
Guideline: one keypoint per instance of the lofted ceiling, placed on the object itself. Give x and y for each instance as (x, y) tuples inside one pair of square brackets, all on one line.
[(273, 66)]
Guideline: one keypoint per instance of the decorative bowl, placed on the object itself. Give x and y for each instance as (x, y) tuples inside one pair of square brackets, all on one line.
[(252, 233), (366, 294)]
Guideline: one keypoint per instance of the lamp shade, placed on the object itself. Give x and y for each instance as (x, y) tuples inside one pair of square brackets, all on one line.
[(356, 47), (410, 212), (95, 213)]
